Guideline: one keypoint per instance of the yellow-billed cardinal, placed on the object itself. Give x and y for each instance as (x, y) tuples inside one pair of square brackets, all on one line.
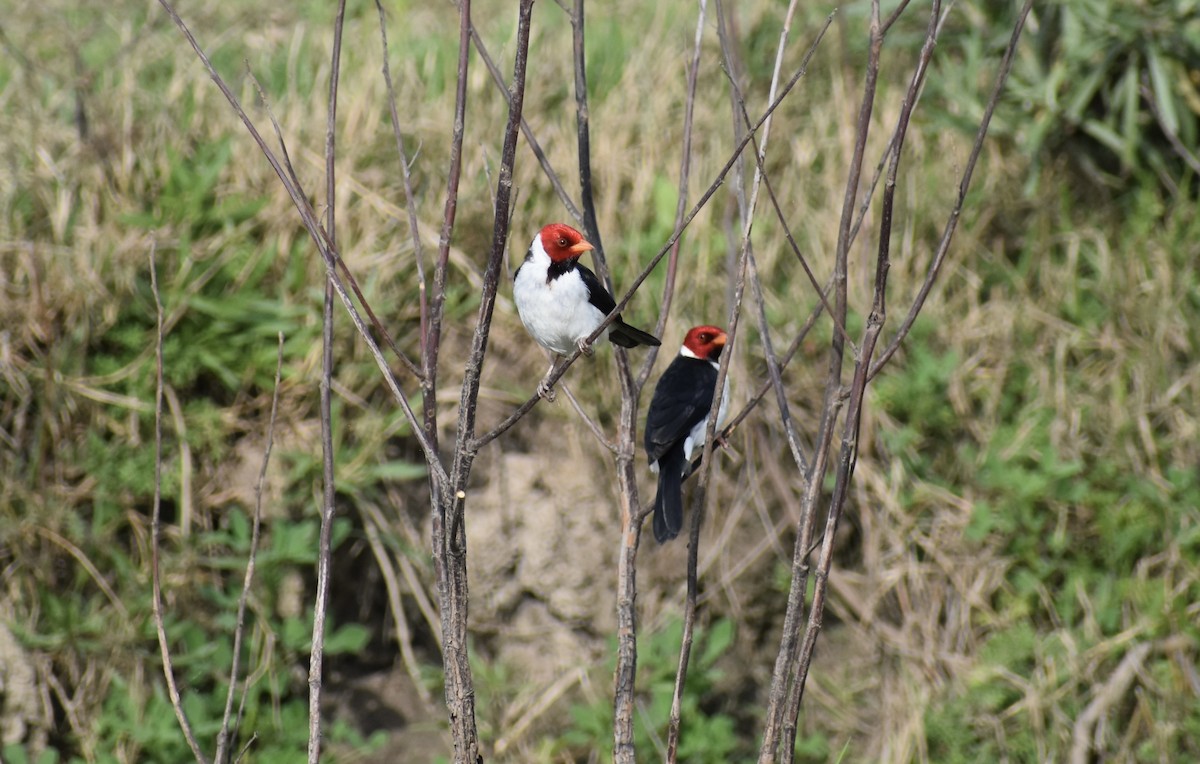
[(561, 302), (678, 418)]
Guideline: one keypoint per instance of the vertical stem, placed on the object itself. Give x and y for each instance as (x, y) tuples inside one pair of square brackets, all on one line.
[(685, 170), (631, 534), (223, 737), (156, 529), (626, 673), (747, 208), (451, 577), (450, 538), (324, 552), (584, 145), (849, 449), (781, 694), (432, 340)]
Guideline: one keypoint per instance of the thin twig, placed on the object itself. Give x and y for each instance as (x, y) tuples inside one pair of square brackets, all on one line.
[(592, 424), (450, 571), (787, 229), (685, 171), (583, 144), (336, 255), (778, 696), (764, 386), (773, 365), (431, 342), (527, 131), (698, 499), (952, 223), (624, 449), (156, 524), (587, 198), (406, 176), (328, 252), (316, 654), (450, 538), (894, 17), (223, 737), (848, 457), (881, 166)]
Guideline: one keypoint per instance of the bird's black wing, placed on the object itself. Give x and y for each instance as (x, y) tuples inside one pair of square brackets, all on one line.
[(682, 398), (620, 333), (597, 294)]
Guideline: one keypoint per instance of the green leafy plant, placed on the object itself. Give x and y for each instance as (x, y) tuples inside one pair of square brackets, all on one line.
[(707, 735), (1110, 84)]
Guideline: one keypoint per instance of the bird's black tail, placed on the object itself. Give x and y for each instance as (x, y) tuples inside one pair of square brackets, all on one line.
[(668, 504), (630, 336)]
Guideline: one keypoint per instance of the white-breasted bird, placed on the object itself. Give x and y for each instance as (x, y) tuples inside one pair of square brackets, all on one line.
[(561, 302)]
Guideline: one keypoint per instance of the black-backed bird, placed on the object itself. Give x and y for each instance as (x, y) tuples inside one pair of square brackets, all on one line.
[(678, 418)]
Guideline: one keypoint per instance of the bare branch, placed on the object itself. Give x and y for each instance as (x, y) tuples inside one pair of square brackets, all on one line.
[(316, 653), (700, 494), (895, 16), (767, 384), (787, 229), (449, 528), (156, 526), (491, 278), (406, 175), (625, 675), (583, 144), (685, 171), (320, 240), (774, 370), (340, 263), (223, 737), (526, 130), (431, 342), (952, 223), (830, 408), (592, 424), (741, 145), (850, 428)]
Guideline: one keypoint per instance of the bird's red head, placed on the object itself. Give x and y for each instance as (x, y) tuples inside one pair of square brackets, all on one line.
[(562, 242), (705, 342)]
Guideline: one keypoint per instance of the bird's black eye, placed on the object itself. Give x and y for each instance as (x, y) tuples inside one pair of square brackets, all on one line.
[(705, 337), (562, 242)]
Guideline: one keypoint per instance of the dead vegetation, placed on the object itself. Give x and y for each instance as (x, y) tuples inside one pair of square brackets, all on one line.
[(1018, 571)]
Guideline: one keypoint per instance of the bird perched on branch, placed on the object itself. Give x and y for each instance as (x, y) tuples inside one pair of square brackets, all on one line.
[(561, 302), (677, 421)]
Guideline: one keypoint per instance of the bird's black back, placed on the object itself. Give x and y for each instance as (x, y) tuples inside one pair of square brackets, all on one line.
[(682, 399)]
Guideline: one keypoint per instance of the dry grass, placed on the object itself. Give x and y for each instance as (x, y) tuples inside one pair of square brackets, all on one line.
[(1068, 332)]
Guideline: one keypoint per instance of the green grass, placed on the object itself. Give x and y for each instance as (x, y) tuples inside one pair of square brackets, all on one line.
[(1025, 507)]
